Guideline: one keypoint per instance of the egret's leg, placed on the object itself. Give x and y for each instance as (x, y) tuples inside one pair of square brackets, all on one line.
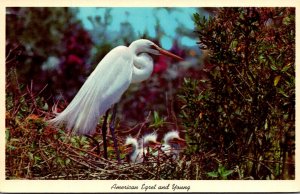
[(112, 130), (104, 129)]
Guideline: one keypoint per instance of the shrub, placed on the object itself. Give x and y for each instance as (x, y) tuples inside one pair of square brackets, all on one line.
[(247, 115)]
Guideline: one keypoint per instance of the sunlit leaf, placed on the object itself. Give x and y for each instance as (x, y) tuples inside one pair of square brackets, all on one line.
[(286, 67), (227, 172), (68, 161), (30, 155), (280, 90), (276, 80), (32, 117), (213, 174)]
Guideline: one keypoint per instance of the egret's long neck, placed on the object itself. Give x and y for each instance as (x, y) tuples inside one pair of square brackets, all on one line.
[(142, 64), (135, 145), (142, 67)]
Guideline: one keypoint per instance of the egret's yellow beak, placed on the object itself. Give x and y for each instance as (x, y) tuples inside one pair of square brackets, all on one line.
[(167, 53)]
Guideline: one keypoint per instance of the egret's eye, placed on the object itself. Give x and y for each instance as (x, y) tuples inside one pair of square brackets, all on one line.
[(153, 47)]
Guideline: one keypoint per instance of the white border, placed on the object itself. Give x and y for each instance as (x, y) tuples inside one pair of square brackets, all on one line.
[(105, 185)]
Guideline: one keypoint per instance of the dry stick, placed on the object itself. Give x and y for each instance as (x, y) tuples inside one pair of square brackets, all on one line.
[(170, 105), (95, 142), (261, 162), (99, 160), (148, 171), (32, 97), (16, 110), (90, 153), (131, 129), (267, 161), (45, 159), (143, 124), (42, 89), (139, 124), (73, 159)]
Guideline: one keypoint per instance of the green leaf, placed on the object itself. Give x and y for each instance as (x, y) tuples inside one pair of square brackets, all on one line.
[(37, 158), (226, 173), (261, 57), (7, 134), (10, 147), (273, 67), (156, 116), (30, 155), (276, 80), (280, 91), (286, 67), (286, 20), (213, 174), (233, 44), (45, 107), (221, 169), (73, 140), (196, 17), (157, 121), (266, 124), (60, 161), (68, 161)]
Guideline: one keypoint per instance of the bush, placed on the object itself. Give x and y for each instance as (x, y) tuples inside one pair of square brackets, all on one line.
[(247, 115)]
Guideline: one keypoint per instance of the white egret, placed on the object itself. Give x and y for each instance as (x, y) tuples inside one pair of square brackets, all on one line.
[(135, 153), (172, 143), (149, 143), (105, 86), (140, 149)]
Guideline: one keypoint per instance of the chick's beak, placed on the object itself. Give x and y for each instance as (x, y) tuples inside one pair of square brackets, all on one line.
[(167, 53), (128, 148), (179, 141), (155, 144)]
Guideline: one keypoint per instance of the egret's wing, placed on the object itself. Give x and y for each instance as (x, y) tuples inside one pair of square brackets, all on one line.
[(101, 90)]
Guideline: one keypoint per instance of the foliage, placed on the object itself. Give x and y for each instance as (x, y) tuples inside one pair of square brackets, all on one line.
[(43, 45), (221, 172), (247, 115)]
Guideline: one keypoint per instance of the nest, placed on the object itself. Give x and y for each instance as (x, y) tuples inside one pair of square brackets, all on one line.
[(37, 151)]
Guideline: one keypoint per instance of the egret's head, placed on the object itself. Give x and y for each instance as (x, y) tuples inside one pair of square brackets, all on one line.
[(150, 140), (172, 137), (146, 46), (131, 144)]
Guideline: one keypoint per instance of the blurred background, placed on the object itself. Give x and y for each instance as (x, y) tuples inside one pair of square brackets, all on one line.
[(55, 49)]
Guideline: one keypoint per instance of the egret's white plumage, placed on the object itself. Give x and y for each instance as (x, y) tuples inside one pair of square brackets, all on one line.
[(99, 92), (106, 84), (137, 153), (140, 148), (147, 141)]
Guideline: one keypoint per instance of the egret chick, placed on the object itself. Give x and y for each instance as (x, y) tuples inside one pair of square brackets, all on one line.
[(149, 143), (172, 142), (136, 154)]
